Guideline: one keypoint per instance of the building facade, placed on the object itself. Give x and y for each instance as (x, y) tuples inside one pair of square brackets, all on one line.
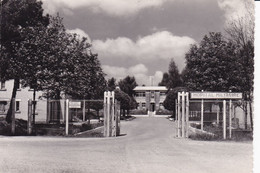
[(21, 101), (150, 98)]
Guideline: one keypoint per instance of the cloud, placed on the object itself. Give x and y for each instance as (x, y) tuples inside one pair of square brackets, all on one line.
[(139, 71), (80, 33), (111, 7), (235, 8), (158, 46)]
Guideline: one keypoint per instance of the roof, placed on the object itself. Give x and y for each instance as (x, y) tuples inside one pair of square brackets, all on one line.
[(145, 88)]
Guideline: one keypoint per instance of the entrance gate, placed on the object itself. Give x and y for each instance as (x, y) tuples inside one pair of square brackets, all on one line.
[(111, 112), (111, 115), (222, 101)]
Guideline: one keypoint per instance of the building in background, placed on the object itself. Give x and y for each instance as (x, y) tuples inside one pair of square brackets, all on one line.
[(21, 101), (150, 98)]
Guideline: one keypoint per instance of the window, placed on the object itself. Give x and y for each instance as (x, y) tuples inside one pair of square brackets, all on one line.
[(141, 94), (2, 86), (18, 105), (3, 106), (143, 105)]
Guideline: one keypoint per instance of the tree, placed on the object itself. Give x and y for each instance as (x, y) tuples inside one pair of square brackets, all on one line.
[(124, 99), (127, 85), (57, 62), (212, 66), (240, 31), (111, 84), (165, 79), (170, 100), (16, 16), (171, 79), (61, 62)]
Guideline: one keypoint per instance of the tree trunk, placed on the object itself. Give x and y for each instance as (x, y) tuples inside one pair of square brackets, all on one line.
[(9, 112), (124, 113)]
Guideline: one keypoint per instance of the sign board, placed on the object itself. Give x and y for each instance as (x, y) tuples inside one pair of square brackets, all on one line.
[(215, 95), (74, 104)]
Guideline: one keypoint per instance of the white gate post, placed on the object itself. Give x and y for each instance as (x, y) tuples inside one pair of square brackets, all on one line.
[(67, 117), (84, 111), (202, 114), (113, 117), (105, 114), (179, 115), (230, 118), (224, 119), (218, 114), (109, 114), (187, 114), (183, 115), (29, 121)]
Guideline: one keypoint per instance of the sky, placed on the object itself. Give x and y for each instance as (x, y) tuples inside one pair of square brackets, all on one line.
[(140, 37)]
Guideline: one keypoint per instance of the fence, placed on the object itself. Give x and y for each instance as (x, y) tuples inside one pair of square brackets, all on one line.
[(79, 112), (218, 117)]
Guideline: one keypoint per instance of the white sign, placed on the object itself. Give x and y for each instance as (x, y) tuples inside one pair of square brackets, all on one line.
[(215, 95), (74, 104)]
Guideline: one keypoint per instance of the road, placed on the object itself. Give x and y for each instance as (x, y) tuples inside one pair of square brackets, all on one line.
[(147, 145)]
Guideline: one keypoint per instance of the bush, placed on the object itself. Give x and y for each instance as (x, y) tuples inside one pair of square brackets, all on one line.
[(203, 137), (138, 112), (237, 135), (163, 112)]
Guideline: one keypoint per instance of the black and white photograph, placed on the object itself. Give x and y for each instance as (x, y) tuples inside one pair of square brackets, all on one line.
[(129, 86)]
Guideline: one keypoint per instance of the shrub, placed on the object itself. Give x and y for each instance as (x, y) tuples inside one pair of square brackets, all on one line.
[(163, 112), (203, 136), (138, 112)]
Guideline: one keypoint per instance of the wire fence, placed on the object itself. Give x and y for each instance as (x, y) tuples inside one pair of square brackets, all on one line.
[(79, 110)]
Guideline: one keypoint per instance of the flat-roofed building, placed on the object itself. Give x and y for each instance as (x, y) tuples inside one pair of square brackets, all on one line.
[(150, 97)]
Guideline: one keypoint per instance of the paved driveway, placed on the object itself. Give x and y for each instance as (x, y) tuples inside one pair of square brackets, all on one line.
[(147, 145)]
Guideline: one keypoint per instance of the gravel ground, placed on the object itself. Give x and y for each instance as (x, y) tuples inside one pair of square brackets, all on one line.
[(147, 145)]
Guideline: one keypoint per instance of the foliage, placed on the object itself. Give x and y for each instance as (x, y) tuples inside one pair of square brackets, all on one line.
[(44, 57), (165, 79), (15, 17), (240, 31), (123, 98), (212, 65), (163, 112), (60, 62), (171, 79), (172, 95), (127, 85), (138, 112), (111, 84)]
